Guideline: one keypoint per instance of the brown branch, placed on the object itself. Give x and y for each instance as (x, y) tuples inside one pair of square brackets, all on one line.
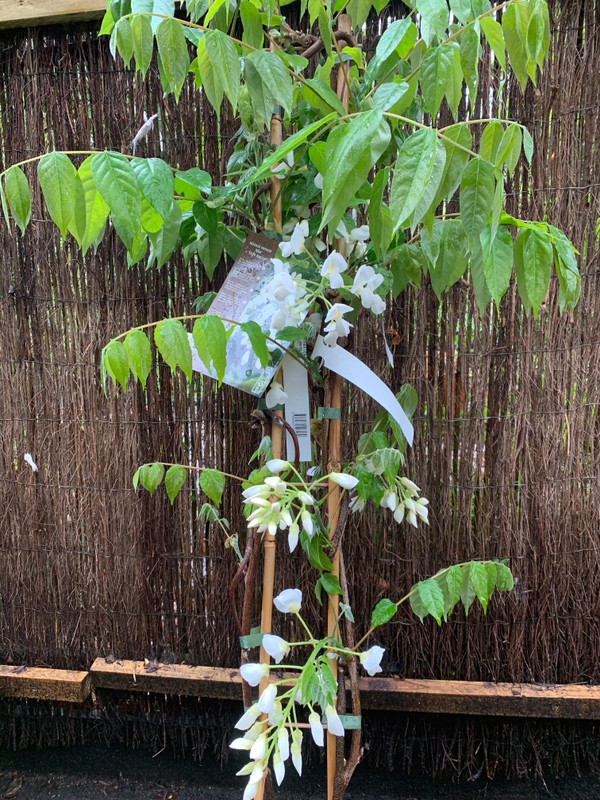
[(317, 46)]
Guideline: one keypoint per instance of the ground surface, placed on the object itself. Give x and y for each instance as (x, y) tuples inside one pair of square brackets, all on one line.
[(96, 774)]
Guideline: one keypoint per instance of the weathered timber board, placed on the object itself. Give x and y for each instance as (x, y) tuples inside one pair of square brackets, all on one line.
[(489, 699), (178, 679), (45, 684), (22, 13)]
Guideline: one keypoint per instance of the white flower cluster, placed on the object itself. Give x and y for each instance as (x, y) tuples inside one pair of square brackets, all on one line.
[(403, 499), (291, 298), (269, 724), (281, 505)]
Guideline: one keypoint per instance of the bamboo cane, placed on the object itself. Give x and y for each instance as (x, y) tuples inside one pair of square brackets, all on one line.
[(334, 460), (276, 446)]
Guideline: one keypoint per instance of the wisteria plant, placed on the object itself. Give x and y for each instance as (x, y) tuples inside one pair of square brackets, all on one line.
[(372, 193)]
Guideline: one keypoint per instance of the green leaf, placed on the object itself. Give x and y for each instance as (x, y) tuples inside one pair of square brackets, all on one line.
[(565, 263), (219, 66), (258, 341), (18, 196), (353, 155), (436, 65), (537, 258), (152, 476), (396, 41), (251, 23), (274, 75), (193, 183), (504, 580), (476, 195), (173, 52), (454, 582), (174, 480), (163, 242), (527, 144), (321, 97), (478, 579), (317, 556), (457, 143), (115, 362), (515, 23), (461, 10), (156, 182), (470, 53), (490, 141), (492, 31), (330, 583), (390, 95), (432, 598), (467, 592), (57, 175), (382, 613), (91, 212), (510, 148), (143, 43), (381, 226), (210, 340), (291, 334), (117, 184), (173, 344), (123, 38), (139, 357), (417, 168), (482, 294), (454, 82), (435, 14), (520, 268), (451, 262), (497, 261)]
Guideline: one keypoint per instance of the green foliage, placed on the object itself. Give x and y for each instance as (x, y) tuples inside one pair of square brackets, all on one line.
[(439, 595)]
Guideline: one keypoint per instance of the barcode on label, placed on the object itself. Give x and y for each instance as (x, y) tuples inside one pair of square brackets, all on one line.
[(300, 424)]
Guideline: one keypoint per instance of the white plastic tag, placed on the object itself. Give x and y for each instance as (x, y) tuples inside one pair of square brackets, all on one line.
[(352, 369)]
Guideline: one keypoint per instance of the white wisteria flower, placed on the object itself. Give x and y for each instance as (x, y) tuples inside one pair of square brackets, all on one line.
[(259, 748), (360, 234), (248, 718), (296, 750), (267, 699), (281, 169), (276, 396), (275, 646), (316, 728), (357, 504), (250, 791), (293, 535), (334, 723), (343, 480), (254, 673), (283, 743), (336, 325), (332, 269), (288, 601), (277, 465), (278, 768), (295, 246), (366, 281), (371, 659)]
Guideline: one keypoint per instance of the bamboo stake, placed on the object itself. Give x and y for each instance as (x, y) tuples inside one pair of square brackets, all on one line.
[(334, 462), (276, 446)]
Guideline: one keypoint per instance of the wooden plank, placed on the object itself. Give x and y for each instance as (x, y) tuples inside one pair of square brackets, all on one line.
[(486, 699), (44, 684), (22, 13), (176, 679)]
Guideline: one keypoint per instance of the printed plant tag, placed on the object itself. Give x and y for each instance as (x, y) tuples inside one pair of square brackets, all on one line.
[(243, 297)]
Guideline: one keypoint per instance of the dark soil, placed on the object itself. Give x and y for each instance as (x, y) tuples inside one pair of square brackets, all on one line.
[(93, 773)]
